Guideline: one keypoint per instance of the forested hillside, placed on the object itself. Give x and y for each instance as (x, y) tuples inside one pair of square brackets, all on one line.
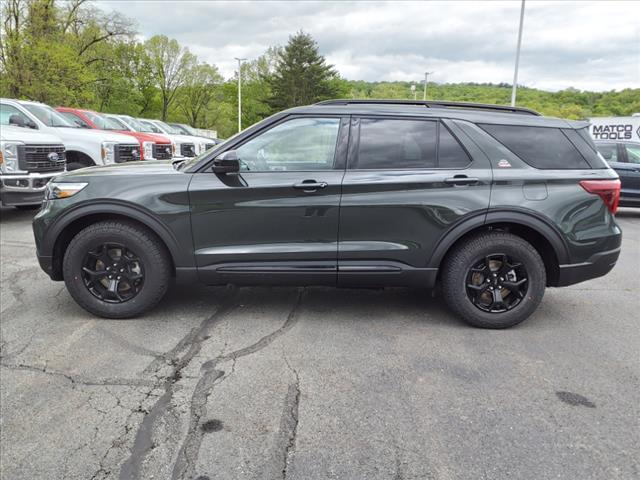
[(72, 53)]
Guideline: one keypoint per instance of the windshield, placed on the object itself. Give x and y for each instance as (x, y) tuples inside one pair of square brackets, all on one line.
[(136, 125), (166, 128), (186, 129), (120, 123), (102, 122), (48, 116)]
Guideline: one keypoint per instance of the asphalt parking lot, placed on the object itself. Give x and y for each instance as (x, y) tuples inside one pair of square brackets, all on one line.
[(271, 383)]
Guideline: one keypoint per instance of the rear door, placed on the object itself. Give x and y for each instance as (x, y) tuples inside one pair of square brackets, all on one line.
[(408, 181)]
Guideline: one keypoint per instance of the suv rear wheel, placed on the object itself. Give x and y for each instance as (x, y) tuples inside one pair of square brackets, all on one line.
[(494, 280), (115, 269)]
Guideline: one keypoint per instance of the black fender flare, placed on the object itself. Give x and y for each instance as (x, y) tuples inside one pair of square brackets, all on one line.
[(122, 209), (519, 216)]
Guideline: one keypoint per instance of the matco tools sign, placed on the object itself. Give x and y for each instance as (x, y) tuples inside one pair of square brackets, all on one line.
[(615, 128)]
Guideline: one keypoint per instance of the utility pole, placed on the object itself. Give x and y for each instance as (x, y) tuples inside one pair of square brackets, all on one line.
[(515, 73), (240, 60), (426, 79), (413, 89)]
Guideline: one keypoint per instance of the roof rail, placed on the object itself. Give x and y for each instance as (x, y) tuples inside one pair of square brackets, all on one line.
[(433, 104)]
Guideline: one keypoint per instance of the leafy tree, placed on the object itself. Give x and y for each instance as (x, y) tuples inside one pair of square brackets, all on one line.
[(301, 75), (169, 64), (201, 83)]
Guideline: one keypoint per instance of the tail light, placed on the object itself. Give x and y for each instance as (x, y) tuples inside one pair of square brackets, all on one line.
[(608, 190)]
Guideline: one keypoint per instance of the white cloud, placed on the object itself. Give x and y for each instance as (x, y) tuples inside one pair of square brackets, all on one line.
[(588, 45)]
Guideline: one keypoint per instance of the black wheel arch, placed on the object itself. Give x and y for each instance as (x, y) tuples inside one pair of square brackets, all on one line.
[(530, 225), (71, 222)]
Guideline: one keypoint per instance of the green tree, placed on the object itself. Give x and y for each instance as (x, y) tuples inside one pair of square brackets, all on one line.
[(301, 74), (169, 64), (201, 83)]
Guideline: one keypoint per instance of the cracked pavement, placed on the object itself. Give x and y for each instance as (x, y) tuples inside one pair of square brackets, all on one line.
[(292, 383)]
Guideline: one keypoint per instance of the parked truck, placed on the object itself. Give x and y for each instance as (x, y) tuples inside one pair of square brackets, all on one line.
[(28, 160), (84, 148), (152, 146)]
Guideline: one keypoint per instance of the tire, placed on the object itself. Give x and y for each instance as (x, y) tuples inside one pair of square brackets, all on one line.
[(144, 261), (468, 280)]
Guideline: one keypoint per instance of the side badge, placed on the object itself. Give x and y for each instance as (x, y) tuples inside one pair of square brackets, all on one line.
[(504, 163)]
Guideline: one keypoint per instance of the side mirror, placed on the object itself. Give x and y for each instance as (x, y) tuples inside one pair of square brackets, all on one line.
[(227, 162), (17, 120)]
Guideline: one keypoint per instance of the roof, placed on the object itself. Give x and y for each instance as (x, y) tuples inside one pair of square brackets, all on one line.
[(476, 113)]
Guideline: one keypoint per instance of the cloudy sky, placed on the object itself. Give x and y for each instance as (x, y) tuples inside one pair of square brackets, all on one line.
[(586, 45)]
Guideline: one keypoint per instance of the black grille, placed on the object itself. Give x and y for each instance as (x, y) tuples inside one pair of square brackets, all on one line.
[(188, 150), (127, 153), (162, 151), (39, 158)]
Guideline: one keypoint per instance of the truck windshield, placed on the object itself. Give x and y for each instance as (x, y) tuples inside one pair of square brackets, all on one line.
[(120, 124), (49, 116), (102, 122), (166, 128)]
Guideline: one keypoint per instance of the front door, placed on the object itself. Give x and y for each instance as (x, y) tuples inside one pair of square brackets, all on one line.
[(277, 220), (408, 181), (629, 172)]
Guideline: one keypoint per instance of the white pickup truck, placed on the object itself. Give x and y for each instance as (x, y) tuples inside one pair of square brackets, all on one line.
[(84, 148), (28, 160), (201, 144)]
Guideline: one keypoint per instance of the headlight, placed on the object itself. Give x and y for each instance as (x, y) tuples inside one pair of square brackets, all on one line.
[(147, 150), (57, 190), (109, 152), (9, 156)]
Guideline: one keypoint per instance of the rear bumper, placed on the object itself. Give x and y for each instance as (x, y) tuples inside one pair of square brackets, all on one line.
[(598, 265)]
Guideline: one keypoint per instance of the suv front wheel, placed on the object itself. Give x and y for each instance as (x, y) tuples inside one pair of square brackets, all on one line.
[(116, 269), (494, 280)]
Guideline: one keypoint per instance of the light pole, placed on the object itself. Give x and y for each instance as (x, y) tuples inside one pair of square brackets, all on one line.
[(240, 60), (515, 73), (413, 89), (426, 79)]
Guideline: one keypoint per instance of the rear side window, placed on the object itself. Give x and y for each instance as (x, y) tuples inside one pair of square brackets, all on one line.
[(540, 147), (387, 143)]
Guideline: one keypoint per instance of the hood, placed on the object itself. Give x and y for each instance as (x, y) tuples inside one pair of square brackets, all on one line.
[(147, 137), (93, 135), (146, 167), (27, 135), (184, 138)]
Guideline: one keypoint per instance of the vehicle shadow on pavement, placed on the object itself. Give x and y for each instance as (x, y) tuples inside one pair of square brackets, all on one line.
[(627, 212), (14, 215)]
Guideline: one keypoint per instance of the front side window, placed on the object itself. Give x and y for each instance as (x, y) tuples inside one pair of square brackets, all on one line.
[(633, 153), (73, 118), (8, 111), (295, 145), (609, 151), (49, 116)]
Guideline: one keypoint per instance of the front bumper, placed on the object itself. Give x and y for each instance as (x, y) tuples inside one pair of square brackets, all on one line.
[(598, 265), (24, 189)]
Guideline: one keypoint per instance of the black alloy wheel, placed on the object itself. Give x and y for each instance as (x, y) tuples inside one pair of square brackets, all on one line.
[(113, 273), (497, 283)]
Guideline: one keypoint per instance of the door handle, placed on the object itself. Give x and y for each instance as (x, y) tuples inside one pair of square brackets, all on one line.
[(461, 180), (310, 185)]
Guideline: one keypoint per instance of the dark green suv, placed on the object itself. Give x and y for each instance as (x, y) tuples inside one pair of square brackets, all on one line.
[(494, 203)]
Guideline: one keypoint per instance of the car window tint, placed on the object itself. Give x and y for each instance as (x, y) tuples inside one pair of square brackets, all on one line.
[(387, 143), (540, 147), (298, 144), (73, 118), (7, 111), (633, 153), (450, 152), (609, 151)]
